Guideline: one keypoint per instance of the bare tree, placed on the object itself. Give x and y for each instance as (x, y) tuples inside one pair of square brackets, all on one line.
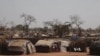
[(12, 25), (28, 19), (52, 23), (58, 28), (98, 29), (76, 20), (3, 24)]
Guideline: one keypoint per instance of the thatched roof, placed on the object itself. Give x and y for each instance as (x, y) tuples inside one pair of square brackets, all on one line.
[(45, 43), (18, 43)]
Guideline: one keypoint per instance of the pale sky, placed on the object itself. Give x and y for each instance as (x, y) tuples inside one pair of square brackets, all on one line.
[(44, 10)]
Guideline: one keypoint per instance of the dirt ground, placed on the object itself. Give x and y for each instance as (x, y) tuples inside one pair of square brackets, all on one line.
[(57, 54), (61, 54)]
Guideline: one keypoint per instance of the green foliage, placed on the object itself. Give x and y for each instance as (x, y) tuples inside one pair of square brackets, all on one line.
[(19, 27), (58, 28), (61, 29)]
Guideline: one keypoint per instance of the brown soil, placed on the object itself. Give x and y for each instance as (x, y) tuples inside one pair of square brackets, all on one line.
[(60, 54)]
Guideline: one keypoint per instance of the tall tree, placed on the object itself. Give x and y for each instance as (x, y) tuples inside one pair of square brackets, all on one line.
[(58, 28), (76, 20), (98, 29), (28, 19)]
